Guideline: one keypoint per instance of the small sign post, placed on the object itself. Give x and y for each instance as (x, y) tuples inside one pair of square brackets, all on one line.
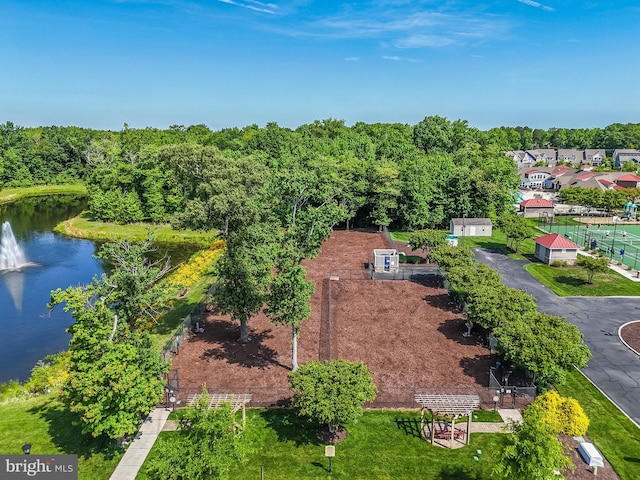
[(330, 452)]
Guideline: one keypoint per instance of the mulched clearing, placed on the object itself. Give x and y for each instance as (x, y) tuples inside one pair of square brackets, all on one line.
[(408, 333), (630, 333)]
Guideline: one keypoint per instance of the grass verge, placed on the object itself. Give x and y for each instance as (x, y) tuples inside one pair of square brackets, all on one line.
[(168, 323), (497, 241), (8, 195), (572, 281), (617, 437), (381, 445), (83, 226), (49, 427)]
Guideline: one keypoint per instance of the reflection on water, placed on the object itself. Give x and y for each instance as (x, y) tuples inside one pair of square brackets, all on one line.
[(29, 331), (15, 284)]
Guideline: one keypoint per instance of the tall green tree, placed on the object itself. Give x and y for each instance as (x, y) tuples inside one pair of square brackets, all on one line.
[(427, 239), (243, 275), (545, 345), (516, 228), (288, 301), (115, 373), (491, 305)]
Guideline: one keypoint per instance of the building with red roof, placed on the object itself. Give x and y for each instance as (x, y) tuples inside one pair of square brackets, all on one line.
[(628, 181), (537, 207), (555, 247)]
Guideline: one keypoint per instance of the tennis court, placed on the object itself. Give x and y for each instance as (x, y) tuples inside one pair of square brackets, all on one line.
[(618, 241)]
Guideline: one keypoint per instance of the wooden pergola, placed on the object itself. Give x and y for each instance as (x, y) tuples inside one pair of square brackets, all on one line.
[(448, 406), (237, 400)]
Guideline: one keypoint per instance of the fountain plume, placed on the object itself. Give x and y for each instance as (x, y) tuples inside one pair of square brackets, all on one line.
[(11, 254)]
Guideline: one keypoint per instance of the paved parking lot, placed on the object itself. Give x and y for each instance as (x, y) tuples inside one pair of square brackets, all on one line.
[(613, 368)]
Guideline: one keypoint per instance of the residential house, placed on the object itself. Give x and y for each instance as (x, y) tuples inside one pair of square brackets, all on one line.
[(555, 247), (570, 157), (537, 207), (622, 156), (594, 156)]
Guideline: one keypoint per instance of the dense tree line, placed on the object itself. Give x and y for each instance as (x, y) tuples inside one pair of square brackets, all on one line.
[(378, 174)]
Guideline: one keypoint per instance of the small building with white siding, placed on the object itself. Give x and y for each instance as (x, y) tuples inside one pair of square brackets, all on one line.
[(555, 247), (471, 227)]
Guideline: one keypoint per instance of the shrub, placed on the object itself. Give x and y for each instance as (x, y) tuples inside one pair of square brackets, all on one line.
[(11, 389), (50, 373), (573, 418), (559, 263), (562, 414)]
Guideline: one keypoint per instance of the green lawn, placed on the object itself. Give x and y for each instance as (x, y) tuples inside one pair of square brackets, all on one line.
[(617, 437), (497, 241), (83, 227), (45, 424), (381, 445), (572, 281), (8, 195)]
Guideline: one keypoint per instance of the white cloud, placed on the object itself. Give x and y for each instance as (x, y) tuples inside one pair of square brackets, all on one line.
[(253, 5), (352, 59), (395, 58), (534, 4)]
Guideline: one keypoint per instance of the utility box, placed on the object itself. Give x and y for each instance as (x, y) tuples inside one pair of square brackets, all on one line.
[(591, 455), (385, 260)]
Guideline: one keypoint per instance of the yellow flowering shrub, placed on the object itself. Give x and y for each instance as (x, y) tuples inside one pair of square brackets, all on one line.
[(562, 414), (189, 273)]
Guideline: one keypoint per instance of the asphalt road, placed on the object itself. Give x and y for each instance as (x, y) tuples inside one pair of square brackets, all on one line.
[(613, 368)]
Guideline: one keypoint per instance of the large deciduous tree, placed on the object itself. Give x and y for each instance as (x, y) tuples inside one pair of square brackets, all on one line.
[(516, 228), (491, 305), (332, 393), (115, 373), (427, 240), (244, 271)]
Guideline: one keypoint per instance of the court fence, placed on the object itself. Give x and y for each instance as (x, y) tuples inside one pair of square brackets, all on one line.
[(617, 241)]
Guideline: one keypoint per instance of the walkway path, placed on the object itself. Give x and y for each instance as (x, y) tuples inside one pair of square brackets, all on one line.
[(135, 455), (614, 369)]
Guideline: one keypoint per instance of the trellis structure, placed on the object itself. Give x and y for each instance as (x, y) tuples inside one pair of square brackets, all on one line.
[(237, 400), (448, 406)]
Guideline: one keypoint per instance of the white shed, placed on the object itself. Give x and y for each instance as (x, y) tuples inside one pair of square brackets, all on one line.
[(386, 260), (471, 227)]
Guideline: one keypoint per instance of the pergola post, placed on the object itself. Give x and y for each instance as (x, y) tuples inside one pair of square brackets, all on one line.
[(453, 431), (468, 428), (433, 427)]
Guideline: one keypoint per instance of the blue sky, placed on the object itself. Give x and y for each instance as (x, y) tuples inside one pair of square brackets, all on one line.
[(226, 63)]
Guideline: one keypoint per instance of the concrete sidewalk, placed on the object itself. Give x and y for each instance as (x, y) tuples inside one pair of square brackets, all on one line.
[(135, 455)]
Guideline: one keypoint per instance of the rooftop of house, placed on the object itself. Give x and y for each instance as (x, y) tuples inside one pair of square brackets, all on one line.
[(556, 241), (537, 203)]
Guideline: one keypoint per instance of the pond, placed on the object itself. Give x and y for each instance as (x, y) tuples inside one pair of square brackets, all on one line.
[(29, 331)]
